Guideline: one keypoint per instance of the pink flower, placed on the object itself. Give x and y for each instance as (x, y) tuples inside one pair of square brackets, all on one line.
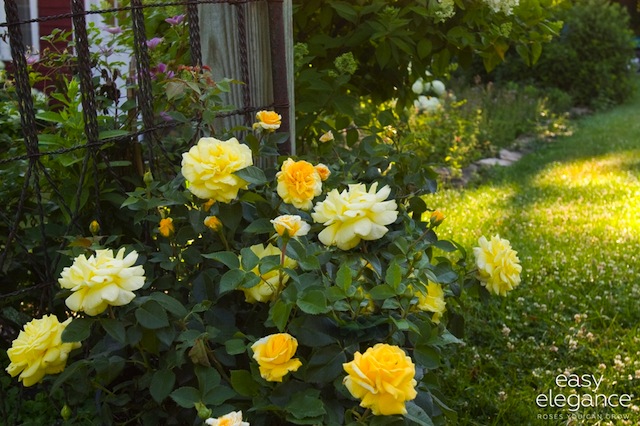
[(162, 68), (174, 20), (113, 30), (106, 51), (31, 59), (154, 42)]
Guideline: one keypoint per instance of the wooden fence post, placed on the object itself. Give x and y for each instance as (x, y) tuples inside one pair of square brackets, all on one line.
[(252, 41)]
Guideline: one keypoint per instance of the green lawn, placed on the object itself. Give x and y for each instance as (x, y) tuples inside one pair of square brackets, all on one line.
[(572, 211)]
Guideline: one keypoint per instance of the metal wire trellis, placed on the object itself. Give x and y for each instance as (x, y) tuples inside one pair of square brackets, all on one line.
[(36, 171)]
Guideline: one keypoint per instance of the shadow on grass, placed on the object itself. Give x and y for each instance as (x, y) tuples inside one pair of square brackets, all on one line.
[(571, 210)]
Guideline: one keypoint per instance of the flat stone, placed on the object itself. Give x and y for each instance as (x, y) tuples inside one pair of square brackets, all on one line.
[(494, 162), (505, 154)]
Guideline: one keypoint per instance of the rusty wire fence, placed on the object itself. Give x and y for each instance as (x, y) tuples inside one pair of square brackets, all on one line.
[(31, 245)]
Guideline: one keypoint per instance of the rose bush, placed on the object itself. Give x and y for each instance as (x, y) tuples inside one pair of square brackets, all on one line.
[(239, 295), (310, 290)]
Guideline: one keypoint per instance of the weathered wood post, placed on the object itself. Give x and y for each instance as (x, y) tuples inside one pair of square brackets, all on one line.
[(252, 41)]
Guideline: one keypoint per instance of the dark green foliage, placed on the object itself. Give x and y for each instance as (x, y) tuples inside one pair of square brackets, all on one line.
[(590, 60)]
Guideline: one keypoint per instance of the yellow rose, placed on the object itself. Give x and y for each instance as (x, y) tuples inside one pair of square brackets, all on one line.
[(94, 227), (383, 378), (165, 227), (270, 282), (209, 166), (38, 350), (323, 171), (433, 301), (101, 280), (290, 226), (298, 183), (208, 204), (436, 218), (234, 418), (354, 214), (498, 265), (326, 137), (268, 120), (213, 223), (274, 355)]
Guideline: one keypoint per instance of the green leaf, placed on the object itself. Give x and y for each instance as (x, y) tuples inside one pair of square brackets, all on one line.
[(444, 274), (50, 116), (174, 89), (427, 356), (314, 331), (523, 51), (208, 379), (77, 330), (252, 174), (242, 382), (152, 316), (441, 61), (235, 346), (536, 51), (445, 245), (325, 364), (114, 328), (170, 304), (393, 277), (424, 48), (227, 258), (191, 255), (248, 259), (260, 226), (343, 277), (108, 134), (162, 384), (417, 207), (218, 395), (345, 10), (417, 415), (78, 367), (231, 280), (313, 302), (382, 292), (47, 139), (383, 54), (306, 404), (405, 325), (186, 396), (279, 314)]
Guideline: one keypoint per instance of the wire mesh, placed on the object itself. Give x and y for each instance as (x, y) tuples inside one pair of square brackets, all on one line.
[(25, 218)]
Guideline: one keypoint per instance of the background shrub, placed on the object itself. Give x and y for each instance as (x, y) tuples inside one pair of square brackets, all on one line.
[(486, 118), (590, 60), (449, 135)]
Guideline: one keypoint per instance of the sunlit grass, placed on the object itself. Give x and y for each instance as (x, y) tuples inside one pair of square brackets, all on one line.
[(572, 210)]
